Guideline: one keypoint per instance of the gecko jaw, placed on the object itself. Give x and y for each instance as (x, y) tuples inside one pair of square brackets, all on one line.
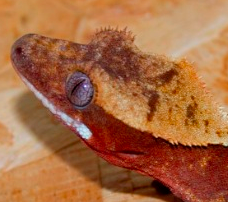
[(77, 126)]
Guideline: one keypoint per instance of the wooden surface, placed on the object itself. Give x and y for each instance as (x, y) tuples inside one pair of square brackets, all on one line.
[(41, 160)]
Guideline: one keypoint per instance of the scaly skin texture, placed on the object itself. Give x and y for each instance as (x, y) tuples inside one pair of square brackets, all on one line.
[(148, 114)]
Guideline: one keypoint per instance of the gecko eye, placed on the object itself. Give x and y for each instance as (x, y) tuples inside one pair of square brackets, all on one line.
[(79, 90)]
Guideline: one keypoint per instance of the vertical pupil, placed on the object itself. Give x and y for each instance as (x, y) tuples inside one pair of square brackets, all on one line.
[(79, 90), (77, 87)]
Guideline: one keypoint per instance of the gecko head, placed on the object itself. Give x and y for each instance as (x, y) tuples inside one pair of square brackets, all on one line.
[(109, 76), (87, 84), (72, 79), (76, 81)]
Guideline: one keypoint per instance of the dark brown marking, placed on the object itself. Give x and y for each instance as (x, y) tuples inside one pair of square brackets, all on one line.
[(116, 57), (153, 101), (121, 62), (186, 122), (170, 110), (190, 114), (219, 133), (167, 76), (174, 91), (206, 123), (191, 110)]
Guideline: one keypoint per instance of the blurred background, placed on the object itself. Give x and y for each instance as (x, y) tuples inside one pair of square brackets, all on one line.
[(41, 160)]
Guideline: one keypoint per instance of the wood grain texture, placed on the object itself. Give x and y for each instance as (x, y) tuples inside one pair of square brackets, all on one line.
[(40, 160)]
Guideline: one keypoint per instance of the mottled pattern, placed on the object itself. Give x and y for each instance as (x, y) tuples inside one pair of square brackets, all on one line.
[(138, 97), (128, 84)]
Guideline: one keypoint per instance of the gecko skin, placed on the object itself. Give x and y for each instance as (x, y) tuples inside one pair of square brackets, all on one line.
[(143, 112)]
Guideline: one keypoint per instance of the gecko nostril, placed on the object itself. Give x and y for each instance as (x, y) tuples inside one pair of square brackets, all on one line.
[(18, 50), (79, 90)]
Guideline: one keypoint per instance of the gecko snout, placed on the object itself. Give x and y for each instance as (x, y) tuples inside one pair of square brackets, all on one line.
[(20, 51)]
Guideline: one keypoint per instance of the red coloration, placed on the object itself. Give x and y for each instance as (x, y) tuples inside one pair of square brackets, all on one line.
[(192, 173)]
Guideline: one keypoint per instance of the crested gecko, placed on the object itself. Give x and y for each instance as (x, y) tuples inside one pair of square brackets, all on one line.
[(144, 112)]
